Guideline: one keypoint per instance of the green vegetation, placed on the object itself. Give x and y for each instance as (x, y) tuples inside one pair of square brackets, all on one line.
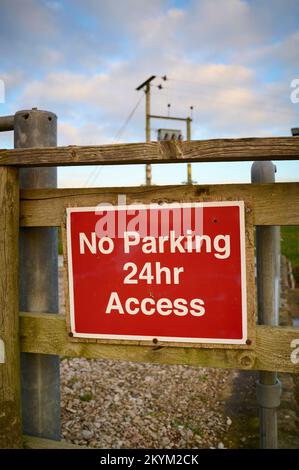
[(204, 377), (59, 242), (290, 244), (86, 396), (73, 380)]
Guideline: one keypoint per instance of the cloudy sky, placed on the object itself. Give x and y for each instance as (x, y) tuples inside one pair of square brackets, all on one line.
[(232, 60)]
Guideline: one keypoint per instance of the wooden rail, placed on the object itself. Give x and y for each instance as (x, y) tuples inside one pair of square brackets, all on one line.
[(273, 204), (32, 442), (47, 334), (214, 150)]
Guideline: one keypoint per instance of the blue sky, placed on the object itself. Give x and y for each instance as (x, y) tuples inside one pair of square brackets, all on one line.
[(232, 60)]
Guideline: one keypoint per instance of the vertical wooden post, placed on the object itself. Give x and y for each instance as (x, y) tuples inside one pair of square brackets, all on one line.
[(10, 400)]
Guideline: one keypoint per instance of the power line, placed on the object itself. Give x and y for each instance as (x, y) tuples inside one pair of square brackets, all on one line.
[(202, 81), (215, 99), (96, 171), (121, 130), (167, 78)]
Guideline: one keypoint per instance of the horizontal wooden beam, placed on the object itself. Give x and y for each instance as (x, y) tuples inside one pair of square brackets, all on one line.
[(47, 334), (170, 118), (32, 442), (214, 150), (273, 204)]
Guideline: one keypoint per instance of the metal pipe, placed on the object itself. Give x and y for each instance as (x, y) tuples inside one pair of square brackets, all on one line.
[(268, 279), (6, 123), (39, 282)]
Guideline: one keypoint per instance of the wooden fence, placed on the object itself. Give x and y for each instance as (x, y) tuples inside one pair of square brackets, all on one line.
[(44, 333)]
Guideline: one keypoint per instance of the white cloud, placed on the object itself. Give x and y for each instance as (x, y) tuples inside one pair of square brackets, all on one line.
[(228, 100), (224, 26), (87, 134), (65, 87), (233, 61), (210, 51)]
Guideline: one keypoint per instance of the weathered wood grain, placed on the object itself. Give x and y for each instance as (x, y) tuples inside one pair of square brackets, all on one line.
[(32, 442), (273, 204), (214, 150), (10, 408), (47, 334)]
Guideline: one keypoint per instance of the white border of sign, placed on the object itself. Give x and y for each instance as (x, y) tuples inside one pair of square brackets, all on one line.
[(240, 204)]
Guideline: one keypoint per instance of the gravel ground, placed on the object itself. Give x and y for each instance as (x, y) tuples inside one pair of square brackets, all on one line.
[(114, 404), (109, 404)]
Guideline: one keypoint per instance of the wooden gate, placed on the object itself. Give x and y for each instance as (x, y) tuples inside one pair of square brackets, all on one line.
[(43, 333)]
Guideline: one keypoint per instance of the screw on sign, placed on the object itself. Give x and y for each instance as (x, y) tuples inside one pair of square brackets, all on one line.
[(175, 272)]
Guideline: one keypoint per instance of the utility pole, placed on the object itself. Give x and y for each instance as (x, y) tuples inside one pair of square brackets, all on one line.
[(148, 169), (147, 86), (189, 168), (148, 116), (188, 121)]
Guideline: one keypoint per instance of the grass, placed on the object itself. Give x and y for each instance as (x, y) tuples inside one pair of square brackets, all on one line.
[(204, 377), (86, 396), (290, 244)]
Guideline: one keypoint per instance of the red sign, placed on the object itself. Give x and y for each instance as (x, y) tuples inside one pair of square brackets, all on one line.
[(174, 272)]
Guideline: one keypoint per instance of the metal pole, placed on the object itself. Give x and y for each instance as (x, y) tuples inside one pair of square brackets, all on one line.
[(268, 279), (148, 168), (6, 123), (189, 168), (39, 282)]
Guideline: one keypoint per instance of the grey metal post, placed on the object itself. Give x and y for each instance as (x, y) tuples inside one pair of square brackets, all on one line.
[(39, 282), (268, 280), (6, 123)]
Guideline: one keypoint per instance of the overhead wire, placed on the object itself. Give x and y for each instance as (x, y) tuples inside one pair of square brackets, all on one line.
[(121, 130), (96, 171), (177, 93), (195, 82), (171, 93)]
